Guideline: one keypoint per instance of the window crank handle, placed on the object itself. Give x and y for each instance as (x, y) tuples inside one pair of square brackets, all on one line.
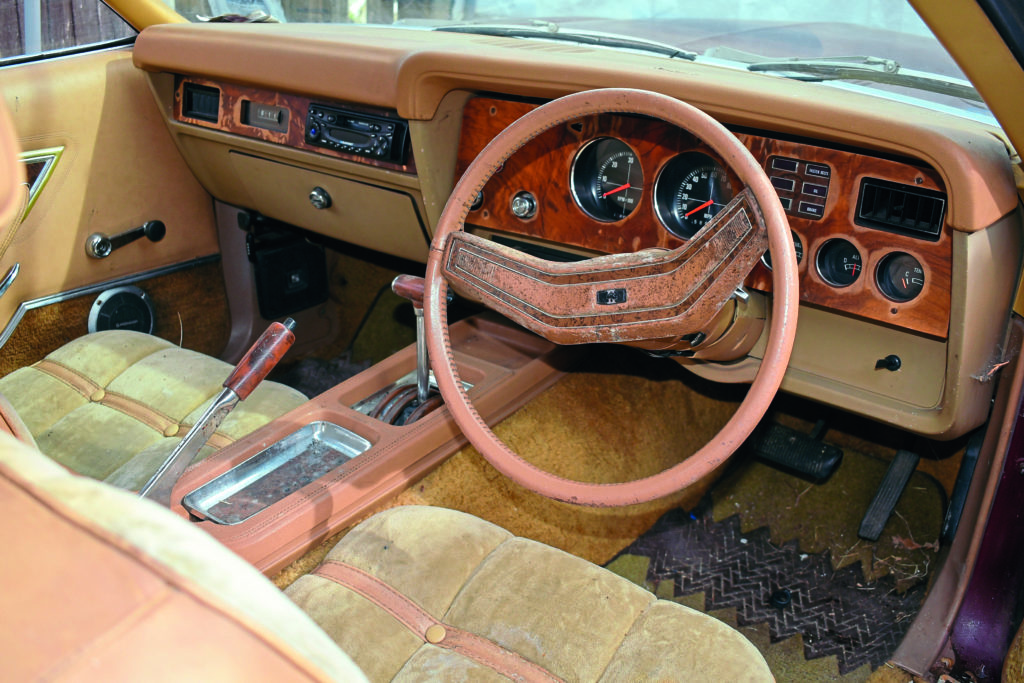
[(99, 245)]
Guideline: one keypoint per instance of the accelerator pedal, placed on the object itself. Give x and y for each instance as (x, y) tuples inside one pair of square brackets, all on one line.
[(803, 454), (889, 492)]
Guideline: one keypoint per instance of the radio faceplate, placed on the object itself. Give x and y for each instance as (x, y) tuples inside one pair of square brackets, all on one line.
[(365, 135)]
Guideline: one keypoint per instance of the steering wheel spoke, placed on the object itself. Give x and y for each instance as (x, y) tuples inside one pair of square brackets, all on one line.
[(647, 295)]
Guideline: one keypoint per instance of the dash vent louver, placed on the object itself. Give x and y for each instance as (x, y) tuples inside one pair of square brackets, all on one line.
[(201, 102), (908, 210)]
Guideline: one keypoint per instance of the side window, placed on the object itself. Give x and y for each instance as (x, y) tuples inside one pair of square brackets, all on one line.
[(36, 27)]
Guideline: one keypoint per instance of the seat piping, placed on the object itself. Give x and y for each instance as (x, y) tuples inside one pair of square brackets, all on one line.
[(481, 650), (134, 409)]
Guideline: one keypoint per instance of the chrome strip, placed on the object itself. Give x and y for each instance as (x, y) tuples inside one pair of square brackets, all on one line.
[(49, 158), (8, 280), (27, 306)]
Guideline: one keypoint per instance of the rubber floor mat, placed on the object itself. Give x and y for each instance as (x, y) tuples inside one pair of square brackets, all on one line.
[(313, 376), (835, 611)]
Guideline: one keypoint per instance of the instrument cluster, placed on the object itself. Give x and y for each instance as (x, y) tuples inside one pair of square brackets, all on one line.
[(616, 183)]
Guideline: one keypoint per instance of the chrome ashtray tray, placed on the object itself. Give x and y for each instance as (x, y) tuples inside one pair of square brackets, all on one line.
[(298, 459)]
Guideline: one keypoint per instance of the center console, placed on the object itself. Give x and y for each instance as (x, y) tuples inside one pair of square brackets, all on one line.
[(277, 492)]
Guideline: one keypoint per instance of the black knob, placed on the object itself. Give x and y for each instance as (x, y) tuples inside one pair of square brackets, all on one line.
[(780, 598), (892, 363), (154, 230)]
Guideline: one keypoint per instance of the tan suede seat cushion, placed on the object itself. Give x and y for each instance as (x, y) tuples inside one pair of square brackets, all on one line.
[(112, 405), (576, 620)]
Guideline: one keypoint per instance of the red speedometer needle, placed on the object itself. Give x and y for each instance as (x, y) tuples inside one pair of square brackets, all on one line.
[(620, 188), (702, 206)]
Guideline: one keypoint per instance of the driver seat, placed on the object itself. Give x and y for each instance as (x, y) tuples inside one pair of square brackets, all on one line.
[(126, 590)]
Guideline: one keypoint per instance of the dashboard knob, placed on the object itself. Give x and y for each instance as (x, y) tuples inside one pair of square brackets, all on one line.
[(524, 205), (319, 198)]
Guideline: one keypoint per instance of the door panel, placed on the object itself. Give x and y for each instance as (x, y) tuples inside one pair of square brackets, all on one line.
[(117, 168)]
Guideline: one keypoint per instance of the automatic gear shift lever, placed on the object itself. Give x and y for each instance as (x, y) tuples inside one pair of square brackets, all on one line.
[(411, 287), (407, 403)]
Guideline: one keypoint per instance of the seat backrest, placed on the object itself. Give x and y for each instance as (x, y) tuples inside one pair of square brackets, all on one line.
[(101, 584)]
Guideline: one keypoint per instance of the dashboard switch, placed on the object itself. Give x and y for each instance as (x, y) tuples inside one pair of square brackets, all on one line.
[(524, 205)]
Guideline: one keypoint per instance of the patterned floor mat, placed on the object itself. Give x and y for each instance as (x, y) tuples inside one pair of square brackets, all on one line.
[(835, 611), (779, 558)]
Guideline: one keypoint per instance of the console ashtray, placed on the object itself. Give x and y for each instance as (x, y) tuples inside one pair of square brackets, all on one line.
[(296, 460)]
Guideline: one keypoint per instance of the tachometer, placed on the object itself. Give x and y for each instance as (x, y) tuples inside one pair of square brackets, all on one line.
[(607, 181), (689, 192)]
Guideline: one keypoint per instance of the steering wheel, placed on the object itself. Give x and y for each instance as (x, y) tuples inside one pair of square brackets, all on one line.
[(655, 299)]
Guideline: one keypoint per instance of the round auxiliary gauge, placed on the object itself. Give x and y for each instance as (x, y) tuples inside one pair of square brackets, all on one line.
[(839, 263), (689, 192), (798, 246), (900, 276), (606, 179)]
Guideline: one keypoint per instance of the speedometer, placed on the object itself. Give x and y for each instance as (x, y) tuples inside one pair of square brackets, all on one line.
[(689, 192), (607, 181)]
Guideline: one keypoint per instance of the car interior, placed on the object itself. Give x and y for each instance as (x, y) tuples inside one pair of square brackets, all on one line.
[(458, 352)]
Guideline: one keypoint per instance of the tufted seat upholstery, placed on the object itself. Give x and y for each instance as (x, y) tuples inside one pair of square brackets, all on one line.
[(129, 591), (538, 611), (112, 405)]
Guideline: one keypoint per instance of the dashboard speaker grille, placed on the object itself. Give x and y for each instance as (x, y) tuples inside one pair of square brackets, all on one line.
[(905, 209)]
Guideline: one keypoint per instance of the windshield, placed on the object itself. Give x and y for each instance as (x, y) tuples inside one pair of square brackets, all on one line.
[(878, 46)]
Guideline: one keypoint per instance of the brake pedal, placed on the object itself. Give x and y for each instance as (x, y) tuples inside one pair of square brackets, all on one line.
[(802, 454), (889, 492)]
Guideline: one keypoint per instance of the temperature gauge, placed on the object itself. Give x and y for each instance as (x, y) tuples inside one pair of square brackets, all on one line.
[(900, 276), (839, 263)]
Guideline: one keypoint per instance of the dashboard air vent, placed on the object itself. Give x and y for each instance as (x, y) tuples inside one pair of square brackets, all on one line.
[(905, 209), (201, 102)]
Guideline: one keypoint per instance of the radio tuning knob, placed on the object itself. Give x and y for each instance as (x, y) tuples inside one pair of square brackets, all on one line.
[(319, 198)]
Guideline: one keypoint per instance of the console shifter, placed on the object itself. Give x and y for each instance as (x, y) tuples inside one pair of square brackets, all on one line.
[(411, 287), (407, 403)]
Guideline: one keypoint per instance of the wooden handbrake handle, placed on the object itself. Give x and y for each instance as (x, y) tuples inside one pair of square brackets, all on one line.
[(261, 358)]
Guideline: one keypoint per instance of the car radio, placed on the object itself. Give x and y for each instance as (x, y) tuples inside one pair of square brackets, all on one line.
[(360, 134)]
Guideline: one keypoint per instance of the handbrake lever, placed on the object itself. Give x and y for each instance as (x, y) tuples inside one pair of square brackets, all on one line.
[(250, 371)]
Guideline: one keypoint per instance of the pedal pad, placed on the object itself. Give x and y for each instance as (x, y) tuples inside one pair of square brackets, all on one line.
[(889, 492), (799, 453)]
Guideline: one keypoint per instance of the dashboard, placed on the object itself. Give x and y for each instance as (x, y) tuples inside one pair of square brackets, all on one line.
[(612, 184), (906, 220)]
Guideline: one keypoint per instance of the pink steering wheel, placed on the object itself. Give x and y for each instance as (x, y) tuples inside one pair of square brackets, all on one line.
[(659, 299)]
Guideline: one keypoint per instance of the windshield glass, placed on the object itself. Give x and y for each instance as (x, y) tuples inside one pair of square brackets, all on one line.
[(880, 46)]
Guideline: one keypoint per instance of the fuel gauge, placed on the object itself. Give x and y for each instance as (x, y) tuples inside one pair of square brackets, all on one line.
[(900, 276)]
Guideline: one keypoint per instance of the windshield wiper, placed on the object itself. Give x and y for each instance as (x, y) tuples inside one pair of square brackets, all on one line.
[(551, 31), (860, 68)]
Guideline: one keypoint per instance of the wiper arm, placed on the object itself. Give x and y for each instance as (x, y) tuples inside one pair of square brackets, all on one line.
[(873, 69), (552, 32)]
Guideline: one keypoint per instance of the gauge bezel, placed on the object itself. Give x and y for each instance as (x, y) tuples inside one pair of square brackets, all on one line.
[(825, 248), (884, 284), (664, 209), (797, 240), (585, 201)]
